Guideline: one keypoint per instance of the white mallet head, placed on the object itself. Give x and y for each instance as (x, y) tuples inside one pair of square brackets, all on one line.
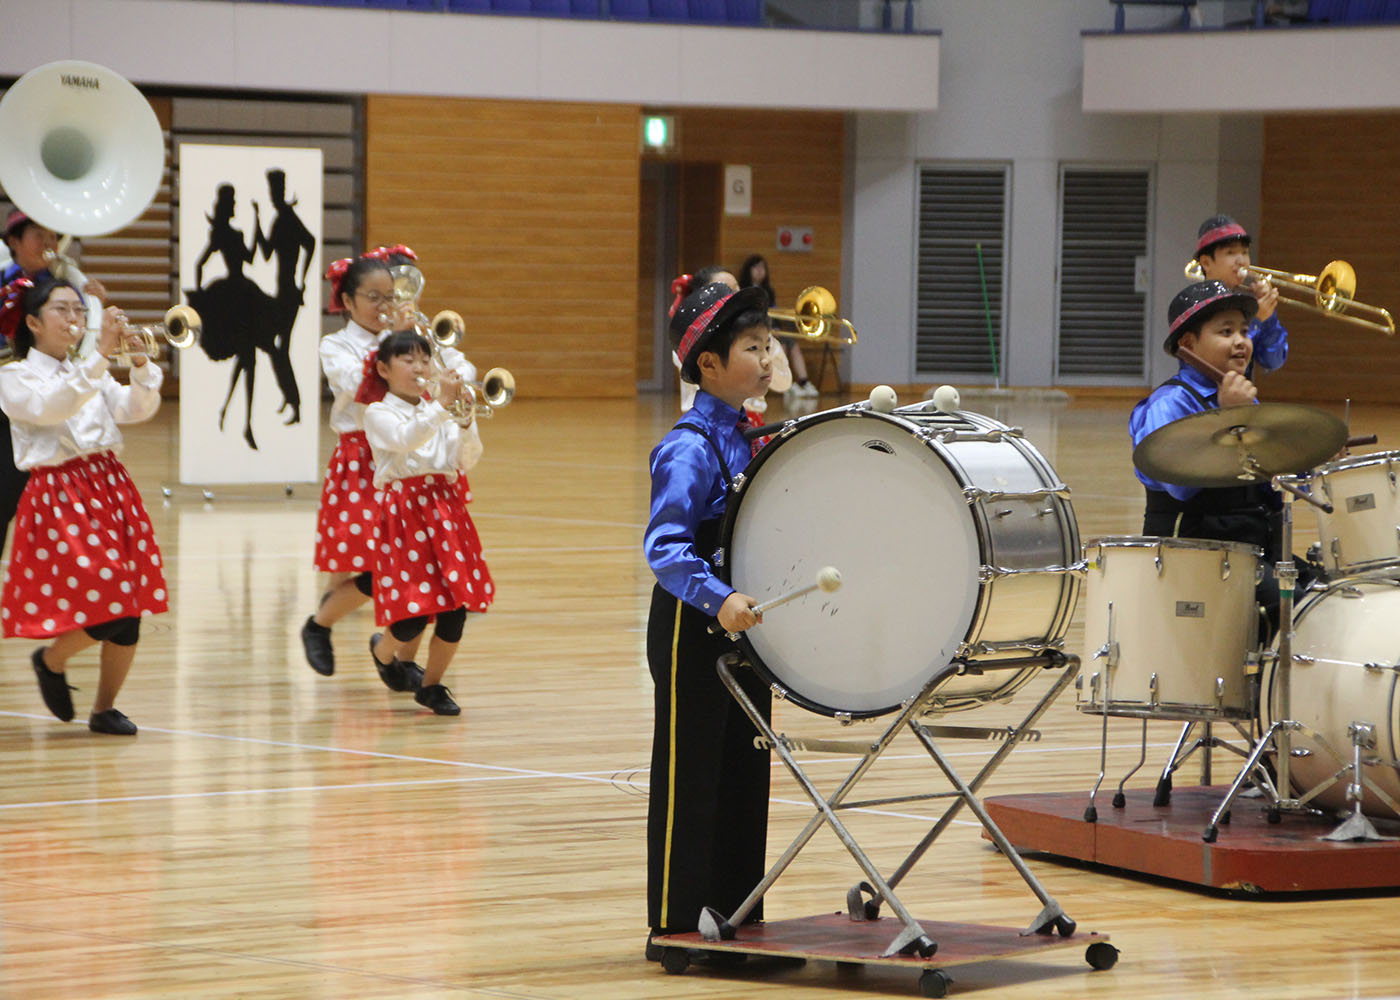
[(829, 579), (946, 399), (883, 399)]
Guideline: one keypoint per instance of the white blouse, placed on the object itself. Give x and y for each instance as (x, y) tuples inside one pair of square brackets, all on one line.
[(61, 410), (418, 439), (343, 356)]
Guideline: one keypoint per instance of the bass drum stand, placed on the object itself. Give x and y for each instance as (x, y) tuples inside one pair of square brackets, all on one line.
[(913, 943), (1278, 737)]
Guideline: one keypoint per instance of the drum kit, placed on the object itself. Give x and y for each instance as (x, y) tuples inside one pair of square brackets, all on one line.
[(1176, 625), (957, 591)]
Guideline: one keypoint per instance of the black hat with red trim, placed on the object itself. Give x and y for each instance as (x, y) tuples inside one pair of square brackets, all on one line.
[(1197, 303), (705, 313), (1216, 230)]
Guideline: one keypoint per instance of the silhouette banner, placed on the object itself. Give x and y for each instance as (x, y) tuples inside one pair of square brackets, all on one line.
[(250, 264)]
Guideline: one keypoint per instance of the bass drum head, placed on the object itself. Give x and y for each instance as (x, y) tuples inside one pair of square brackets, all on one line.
[(858, 491)]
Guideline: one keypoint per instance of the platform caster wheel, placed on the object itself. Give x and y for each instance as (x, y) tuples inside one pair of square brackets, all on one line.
[(1101, 955), (1163, 795), (934, 983), (675, 961), (1273, 815), (1211, 833), (654, 951), (1091, 815), (1119, 800)]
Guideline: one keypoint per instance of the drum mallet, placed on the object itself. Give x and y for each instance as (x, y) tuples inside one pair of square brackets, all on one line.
[(828, 580)]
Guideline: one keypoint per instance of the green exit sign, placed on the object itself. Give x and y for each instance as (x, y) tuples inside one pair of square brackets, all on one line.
[(658, 132)]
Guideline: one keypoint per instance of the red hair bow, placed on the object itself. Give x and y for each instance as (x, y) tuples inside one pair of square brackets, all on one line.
[(12, 306), (680, 288), (384, 253), (335, 274)]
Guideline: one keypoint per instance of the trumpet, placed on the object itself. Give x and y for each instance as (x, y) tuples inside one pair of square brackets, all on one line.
[(814, 317), (479, 398), (180, 328), (1331, 293)]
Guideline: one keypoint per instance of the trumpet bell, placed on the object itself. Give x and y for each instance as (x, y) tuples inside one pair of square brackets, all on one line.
[(447, 328), (497, 387), (83, 151), (408, 282), (182, 327)]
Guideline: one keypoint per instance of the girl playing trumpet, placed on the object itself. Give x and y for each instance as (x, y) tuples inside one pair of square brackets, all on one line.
[(85, 564), (428, 560)]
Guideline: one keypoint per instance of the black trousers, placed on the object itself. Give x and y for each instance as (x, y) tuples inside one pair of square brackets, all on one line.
[(12, 480), (707, 819)]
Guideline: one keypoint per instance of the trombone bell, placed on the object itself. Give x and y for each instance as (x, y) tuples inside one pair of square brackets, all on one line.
[(814, 317)]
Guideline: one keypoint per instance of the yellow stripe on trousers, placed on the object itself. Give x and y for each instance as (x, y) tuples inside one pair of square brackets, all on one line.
[(670, 778)]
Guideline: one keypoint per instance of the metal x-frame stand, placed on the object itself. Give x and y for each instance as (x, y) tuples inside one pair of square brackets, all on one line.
[(912, 939)]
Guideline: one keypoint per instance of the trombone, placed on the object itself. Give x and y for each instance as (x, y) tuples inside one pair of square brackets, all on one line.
[(180, 328), (1331, 293), (814, 317)]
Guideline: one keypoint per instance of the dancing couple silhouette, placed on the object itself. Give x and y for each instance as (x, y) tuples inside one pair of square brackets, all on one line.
[(240, 318)]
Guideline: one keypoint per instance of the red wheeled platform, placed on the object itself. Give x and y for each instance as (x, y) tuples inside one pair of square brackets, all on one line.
[(838, 938), (1250, 854)]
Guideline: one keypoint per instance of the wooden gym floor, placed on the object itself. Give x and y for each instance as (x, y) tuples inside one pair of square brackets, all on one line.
[(271, 833)]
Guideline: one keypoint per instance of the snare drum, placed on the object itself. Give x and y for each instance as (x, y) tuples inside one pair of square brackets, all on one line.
[(1168, 628), (953, 537), (1362, 534), (1344, 671)]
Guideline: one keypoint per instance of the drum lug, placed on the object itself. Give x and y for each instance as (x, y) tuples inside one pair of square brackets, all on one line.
[(1220, 690), (779, 692), (1225, 567), (1157, 559), (1152, 690), (736, 484), (719, 556), (1336, 549), (1304, 658), (844, 718)]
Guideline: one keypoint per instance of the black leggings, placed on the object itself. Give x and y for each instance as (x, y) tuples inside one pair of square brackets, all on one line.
[(364, 583), (118, 631), (450, 625)]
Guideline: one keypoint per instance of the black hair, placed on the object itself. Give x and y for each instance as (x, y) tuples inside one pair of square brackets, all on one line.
[(35, 299), (403, 342), (17, 232), (746, 276), (721, 341), (360, 269), (706, 275)]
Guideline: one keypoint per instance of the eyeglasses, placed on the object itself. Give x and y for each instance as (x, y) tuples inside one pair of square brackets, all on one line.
[(377, 298), (69, 310)]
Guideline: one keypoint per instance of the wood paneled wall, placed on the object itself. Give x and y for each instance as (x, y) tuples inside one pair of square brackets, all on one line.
[(525, 218), (1331, 189), (798, 160)]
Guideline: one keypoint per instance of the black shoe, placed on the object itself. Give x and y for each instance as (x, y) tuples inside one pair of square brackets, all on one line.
[(111, 722), (54, 687), (316, 641), (412, 674), (438, 698), (394, 674)]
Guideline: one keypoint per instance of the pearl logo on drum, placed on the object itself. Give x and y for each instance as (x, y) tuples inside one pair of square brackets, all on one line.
[(1190, 609), (1365, 501)]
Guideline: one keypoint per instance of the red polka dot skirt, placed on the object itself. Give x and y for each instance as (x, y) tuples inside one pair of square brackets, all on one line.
[(349, 509), (429, 556), (84, 552)]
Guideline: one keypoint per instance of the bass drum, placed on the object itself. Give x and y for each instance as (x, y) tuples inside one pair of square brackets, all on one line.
[(954, 539), (1344, 671)]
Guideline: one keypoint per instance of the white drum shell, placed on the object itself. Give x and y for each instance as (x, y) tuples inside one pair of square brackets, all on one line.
[(1362, 534), (903, 509), (1336, 634), (1184, 619)]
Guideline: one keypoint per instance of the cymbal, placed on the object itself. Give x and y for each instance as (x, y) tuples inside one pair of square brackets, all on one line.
[(1240, 444)]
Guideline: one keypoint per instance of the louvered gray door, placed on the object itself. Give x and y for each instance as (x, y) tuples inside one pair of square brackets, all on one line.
[(1102, 304), (959, 304)]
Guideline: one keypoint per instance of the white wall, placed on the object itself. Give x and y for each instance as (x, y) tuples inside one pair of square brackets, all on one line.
[(272, 46), (1011, 92)]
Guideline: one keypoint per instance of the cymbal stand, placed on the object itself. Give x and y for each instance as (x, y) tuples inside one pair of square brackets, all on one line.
[(1280, 732)]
